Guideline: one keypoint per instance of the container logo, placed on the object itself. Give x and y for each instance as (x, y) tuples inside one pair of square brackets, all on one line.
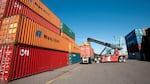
[(30, 0), (24, 52), (38, 33)]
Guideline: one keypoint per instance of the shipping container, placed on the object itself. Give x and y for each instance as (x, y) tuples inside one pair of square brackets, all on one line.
[(65, 29), (13, 7), (75, 48), (23, 30), (38, 7), (134, 48), (145, 48), (19, 61), (92, 52), (2, 7), (134, 41), (134, 55), (133, 34), (0, 22), (148, 32), (134, 37), (86, 54), (139, 39), (74, 58), (69, 39), (86, 51)]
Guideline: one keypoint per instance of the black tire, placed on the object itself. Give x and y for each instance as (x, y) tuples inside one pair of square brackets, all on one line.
[(121, 59), (90, 61)]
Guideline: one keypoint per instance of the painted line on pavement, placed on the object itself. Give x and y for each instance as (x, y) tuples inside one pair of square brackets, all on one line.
[(61, 75)]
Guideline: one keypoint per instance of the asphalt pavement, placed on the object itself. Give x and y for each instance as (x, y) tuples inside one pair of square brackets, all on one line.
[(131, 72)]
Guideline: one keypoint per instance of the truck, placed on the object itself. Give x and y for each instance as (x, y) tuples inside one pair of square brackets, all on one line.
[(116, 56), (86, 54)]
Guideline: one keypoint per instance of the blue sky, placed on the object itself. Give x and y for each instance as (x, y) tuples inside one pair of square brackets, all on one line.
[(101, 19)]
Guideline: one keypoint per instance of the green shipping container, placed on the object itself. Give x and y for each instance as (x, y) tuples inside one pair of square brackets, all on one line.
[(65, 29), (74, 58)]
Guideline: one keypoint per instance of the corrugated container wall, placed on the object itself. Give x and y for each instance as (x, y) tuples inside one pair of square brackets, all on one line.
[(19, 61), (74, 58), (13, 7), (148, 32), (65, 29), (145, 49), (31, 41), (134, 41), (38, 7), (69, 35), (68, 38), (75, 48), (20, 29), (86, 51), (134, 37)]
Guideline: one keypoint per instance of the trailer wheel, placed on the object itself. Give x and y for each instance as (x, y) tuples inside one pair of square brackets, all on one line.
[(124, 60), (121, 59)]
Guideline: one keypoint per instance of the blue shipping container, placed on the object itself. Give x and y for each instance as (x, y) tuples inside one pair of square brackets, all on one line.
[(74, 58), (134, 37)]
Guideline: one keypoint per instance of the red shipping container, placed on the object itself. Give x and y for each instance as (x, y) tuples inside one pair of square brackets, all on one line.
[(19, 61), (92, 52), (0, 22), (13, 7), (82, 51), (86, 51)]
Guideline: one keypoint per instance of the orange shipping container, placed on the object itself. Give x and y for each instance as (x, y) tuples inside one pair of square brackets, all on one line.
[(43, 11), (75, 48), (25, 31), (69, 39)]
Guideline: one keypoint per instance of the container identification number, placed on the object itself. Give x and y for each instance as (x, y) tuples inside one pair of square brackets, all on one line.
[(17, 5), (24, 52)]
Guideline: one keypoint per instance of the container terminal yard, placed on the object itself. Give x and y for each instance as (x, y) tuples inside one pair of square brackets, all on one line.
[(36, 47)]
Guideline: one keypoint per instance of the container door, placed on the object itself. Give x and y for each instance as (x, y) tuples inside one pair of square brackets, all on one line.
[(6, 52)]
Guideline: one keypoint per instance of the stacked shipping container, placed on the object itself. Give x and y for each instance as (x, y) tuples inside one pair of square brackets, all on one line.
[(87, 51), (30, 40), (20, 29), (12, 7), (21, 60), (65, 29), (133, 41), (74, 58), (86, 54), (38, 7), (74, 49), (145, 49)]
